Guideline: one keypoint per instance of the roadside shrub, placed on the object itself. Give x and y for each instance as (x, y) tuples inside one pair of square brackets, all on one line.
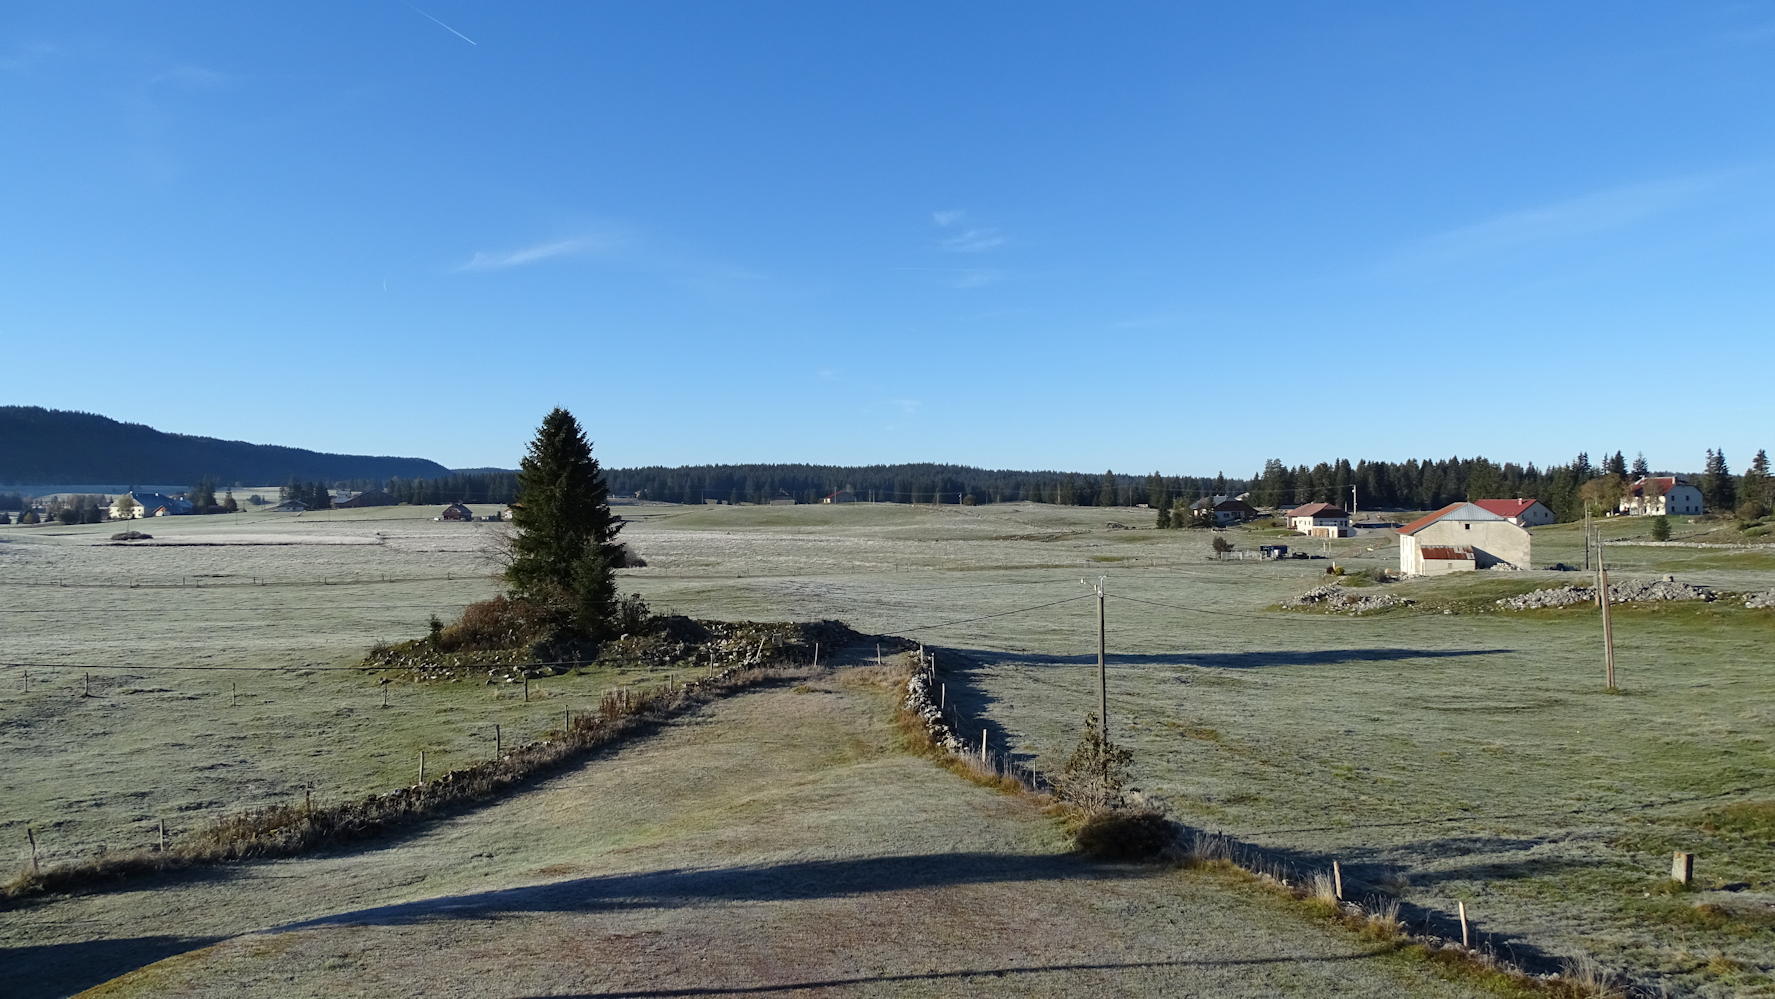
[(1125, 834), (496, 624), (1221, 545), (1096, 775)]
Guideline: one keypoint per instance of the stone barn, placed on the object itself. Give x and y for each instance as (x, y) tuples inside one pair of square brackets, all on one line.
[(1459, 537)]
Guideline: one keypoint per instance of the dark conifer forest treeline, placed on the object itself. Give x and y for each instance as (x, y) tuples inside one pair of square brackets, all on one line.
[(47, 446)]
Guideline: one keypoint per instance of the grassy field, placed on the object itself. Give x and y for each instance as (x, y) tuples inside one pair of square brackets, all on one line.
[(781, 842), (89, 773), (1449, 756), (1455, 757)]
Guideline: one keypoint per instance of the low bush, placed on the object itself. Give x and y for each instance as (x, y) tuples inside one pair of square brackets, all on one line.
[(1126, 834)]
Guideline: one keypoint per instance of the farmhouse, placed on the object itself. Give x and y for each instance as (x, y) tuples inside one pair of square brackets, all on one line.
[(1656, 495), (782, 498), (1521, 512), (290, 506), (456, 511), (1222, 510), (151, 505), (841, 496), (1320, 520), (1460, 537)]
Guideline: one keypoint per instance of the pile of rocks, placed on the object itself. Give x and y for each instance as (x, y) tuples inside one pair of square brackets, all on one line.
[(1333, 597), (1759, 601), (1625, 591)]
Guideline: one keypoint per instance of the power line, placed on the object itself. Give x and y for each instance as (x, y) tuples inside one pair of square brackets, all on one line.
[(986, 617)]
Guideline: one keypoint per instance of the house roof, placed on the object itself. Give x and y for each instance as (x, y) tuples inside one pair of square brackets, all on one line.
[(1453, 511), (1506, 508), (1448, 553), (1318, 510), (1668, 482)]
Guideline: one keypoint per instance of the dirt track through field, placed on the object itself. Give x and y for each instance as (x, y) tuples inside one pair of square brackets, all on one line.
[(779, 843)]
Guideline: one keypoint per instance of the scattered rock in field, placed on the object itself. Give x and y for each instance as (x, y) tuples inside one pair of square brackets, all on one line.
[(1759, 601), (1625, 591), (1333, 597)]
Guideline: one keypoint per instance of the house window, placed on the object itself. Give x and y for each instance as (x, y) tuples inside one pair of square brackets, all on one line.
[(1466, 527)]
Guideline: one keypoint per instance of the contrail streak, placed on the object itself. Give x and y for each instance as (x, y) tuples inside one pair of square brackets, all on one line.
[(441, 24)]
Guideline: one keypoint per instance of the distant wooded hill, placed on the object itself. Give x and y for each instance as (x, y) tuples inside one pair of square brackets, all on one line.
[(49, 446)]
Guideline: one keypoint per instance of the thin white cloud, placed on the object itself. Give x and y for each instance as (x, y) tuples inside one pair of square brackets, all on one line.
[(948, 218), (194, 77), (28, 55), (486, 261), (977, 240), (1600, 211), (977, 277), (910, 407)]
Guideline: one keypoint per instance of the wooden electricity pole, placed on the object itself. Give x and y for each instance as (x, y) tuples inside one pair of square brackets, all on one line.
[(1608, 631), (1102, 670)]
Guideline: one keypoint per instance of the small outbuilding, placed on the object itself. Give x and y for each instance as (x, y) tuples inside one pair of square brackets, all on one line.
[(456, 511), (841, 496), (1459, 537), (1320, 520)]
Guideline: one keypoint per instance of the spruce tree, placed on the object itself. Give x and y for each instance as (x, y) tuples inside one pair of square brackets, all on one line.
[(1616, 465), (1640, 468), (1754, 487), (564, 551)]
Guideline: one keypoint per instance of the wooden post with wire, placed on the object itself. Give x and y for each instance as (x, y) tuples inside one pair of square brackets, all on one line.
[(1466, 934), (1337, 881), (422, 766), (33, 838), (1608, 629), (162, 835), (1102, 670), (498, 741)]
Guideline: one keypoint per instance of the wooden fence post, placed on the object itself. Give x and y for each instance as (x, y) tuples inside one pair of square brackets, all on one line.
[(526, 690), (33, 838), (422, 766), (816, 655), (1337, 880), (983, 747), (1466, 935), (162, 835), (498, 741)]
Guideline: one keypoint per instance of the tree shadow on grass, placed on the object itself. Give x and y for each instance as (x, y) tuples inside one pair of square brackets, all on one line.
[(1232, 660), (680, 888), (49, 971), (997, 974)]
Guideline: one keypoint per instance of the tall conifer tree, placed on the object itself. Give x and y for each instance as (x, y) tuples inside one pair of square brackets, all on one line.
[(564, 549)]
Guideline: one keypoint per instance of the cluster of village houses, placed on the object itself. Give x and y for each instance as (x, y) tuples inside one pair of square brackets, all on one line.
[(148, 504), (1480, 534)]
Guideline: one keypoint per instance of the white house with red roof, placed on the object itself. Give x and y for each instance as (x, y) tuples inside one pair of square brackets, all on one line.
[(1656, 495), (1320, 520), (1521, 512), (1461, 537)]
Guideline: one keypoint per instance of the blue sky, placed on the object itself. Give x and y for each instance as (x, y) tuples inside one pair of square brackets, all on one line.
[(1166, 235)]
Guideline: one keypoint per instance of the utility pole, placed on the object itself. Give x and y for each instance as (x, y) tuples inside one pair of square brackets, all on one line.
[(1102, 671), (1608, 631), (1587, 537), (1352, 500)]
